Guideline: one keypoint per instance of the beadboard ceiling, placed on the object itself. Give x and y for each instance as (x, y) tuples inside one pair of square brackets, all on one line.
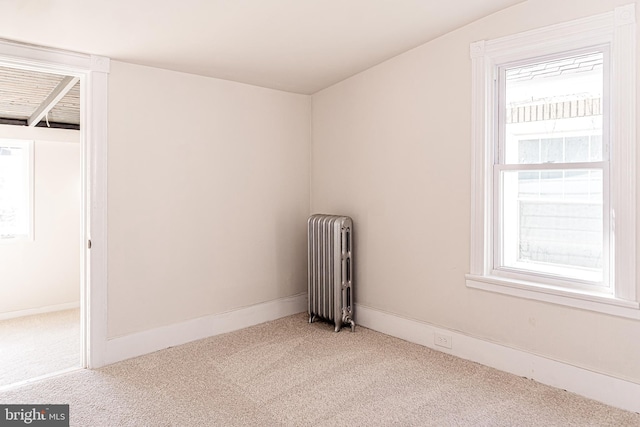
[(24, 94)]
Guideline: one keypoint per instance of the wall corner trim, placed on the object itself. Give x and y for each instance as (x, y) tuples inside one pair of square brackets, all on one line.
[(476, 49), (145, 342), (604, 388), (625, 15), (100, 64)]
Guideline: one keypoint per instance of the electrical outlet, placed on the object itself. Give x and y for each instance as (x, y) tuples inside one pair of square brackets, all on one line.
[(442, 340)]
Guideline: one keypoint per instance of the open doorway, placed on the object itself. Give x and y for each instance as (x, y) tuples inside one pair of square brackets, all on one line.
[(92, 72), (41, 225)]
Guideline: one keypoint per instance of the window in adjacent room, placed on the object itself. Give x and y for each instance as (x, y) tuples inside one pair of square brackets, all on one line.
[(16, 189)]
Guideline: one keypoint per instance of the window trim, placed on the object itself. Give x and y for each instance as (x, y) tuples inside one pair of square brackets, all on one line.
[(616, 29), (29, 160)]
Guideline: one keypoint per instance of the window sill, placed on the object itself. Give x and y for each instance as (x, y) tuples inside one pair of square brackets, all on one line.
[(578, 299)]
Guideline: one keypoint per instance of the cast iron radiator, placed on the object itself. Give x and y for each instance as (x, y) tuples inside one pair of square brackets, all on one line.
[(330, 269)]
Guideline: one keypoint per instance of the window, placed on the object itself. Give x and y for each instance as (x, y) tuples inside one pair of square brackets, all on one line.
[(16, 194), (552, 168), (553, 209)]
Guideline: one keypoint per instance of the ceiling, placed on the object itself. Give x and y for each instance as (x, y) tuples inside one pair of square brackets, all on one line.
[(299, 46), (29, 98)]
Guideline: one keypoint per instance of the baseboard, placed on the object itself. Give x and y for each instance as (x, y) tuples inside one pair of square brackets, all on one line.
[(145, 342), (603, 388), (39, 310)]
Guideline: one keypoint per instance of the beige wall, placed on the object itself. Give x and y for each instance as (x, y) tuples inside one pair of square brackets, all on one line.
[(45, 272), (391, 147), (208, 194)]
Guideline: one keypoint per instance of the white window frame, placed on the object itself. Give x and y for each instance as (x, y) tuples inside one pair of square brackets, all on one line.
[(617, 30), (29, 171)]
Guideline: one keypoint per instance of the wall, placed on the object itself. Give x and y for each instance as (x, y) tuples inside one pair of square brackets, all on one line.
[(44, 274), (208, 195), (392, 148)]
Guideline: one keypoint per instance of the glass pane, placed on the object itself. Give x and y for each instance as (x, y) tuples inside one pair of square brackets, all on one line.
[(551, 185), (552, 222), (13, 192), (553, 110)]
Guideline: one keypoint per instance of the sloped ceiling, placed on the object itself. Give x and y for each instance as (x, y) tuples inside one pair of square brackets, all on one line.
[(295, 45)]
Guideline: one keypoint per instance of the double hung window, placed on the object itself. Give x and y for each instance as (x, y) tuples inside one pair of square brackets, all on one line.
[(553, 190), (551, 169)]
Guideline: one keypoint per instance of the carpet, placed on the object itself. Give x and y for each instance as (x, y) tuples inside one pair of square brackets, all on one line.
[(37, 345), (291, 373)]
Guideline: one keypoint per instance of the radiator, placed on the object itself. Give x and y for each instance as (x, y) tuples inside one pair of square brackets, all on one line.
[(330, 269)]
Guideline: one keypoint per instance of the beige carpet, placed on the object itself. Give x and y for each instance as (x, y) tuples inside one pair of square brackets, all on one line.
[(37, 345), (290, 373)]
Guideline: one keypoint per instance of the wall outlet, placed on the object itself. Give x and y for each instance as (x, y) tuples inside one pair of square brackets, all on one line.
[(442, 340)]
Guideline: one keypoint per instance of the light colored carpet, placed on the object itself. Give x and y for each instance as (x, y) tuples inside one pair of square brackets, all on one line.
[(290, 373), (37, 345)]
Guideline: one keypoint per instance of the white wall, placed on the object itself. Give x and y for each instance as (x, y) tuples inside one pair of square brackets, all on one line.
[(391, 148), (208, 195), (45, 273)]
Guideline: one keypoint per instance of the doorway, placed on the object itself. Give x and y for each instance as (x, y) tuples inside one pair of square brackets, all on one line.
[(40, 224), (88, 74)]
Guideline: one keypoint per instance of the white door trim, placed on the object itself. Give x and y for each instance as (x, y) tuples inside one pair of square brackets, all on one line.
[(93, 72)]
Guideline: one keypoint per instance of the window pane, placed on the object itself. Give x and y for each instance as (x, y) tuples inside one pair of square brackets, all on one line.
[(14, 192), (551, 185), (554, 106), (552, 222)]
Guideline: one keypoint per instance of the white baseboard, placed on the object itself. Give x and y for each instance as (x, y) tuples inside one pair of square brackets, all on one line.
[(145, 342), (39, 310), (603, 388)]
